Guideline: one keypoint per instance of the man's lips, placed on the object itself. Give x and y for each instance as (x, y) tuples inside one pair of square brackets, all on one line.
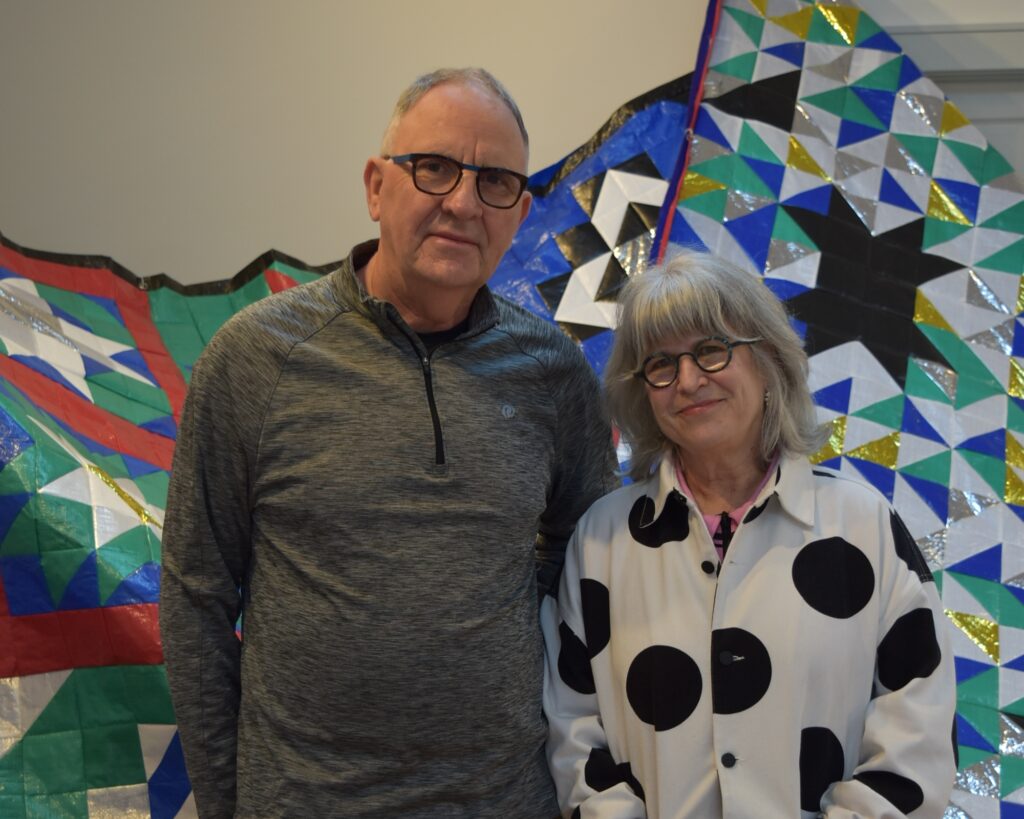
[(453, 237)]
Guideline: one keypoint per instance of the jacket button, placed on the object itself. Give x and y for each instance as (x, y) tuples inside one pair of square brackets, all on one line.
[(725, 657), (728, 760), (708, 567)]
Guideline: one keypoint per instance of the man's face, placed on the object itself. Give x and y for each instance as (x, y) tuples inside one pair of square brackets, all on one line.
[(453, 240)]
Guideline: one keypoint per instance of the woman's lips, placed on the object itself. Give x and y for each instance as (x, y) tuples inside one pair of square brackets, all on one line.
[(701, 406)]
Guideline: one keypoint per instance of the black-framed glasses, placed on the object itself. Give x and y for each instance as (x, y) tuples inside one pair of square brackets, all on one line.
[(439, 175), (711, 354)]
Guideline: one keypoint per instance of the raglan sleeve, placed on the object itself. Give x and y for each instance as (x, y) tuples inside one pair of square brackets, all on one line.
[(206, 547), (907, 760), (589, 780)]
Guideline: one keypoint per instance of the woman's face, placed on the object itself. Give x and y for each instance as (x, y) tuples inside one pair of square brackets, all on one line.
[(711, 415)]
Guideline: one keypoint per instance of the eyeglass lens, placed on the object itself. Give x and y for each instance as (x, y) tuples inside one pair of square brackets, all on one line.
[(439, 175), (711, 356)]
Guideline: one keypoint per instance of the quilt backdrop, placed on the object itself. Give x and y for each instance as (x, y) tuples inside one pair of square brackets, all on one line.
[(805, 147)]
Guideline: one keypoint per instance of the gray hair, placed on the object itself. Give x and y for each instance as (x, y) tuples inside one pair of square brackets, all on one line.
[(696, 293), (421, 85)]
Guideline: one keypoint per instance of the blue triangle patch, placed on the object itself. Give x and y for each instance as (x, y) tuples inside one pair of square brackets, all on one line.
[(683, 233), (753, 233), (136, 467), (1017, 664), (133, 360), (107, 304), (785, 289), (835, 397), (851, 132), (990, 443), (83, 590), (891, 193), (909, 72), (706, 128), (13, 439), (1018, 346), (46, 368), (70, 319), (967, 669), (141, 586), (880, 477), (883, 42), (771, 173), (916, 424), (815, 199), (163, 425), (169, 786), (597, 348), (93, 367), (1008, 810), (25, 584), (1015, 591), (878, 101), (792, 53), (967, 735), (935, 495), (10, 508), (965, 195), (988, 565)]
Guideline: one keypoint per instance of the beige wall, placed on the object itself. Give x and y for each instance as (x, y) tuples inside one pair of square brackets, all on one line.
[(189, 136)]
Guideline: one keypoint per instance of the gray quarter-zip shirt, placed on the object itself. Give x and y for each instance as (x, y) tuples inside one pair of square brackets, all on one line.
[(372, 510)]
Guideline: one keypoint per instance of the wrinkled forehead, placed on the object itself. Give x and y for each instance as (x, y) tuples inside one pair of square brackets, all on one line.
[(464, 111)]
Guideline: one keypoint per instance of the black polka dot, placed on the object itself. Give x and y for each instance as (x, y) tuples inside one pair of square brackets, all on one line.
[(822, 762), (707, 567), (741, 670), (907, 549), (755, 512), (601, 772), (663, 686), (909, 650), (596, 616), (900, 791), (672, 524), (573, 662), (834, 577)]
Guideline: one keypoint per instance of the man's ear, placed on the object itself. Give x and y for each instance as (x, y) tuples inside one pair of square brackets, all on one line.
[(524, 206), (373, 178)]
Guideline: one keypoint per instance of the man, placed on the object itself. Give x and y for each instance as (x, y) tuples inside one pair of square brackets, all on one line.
[(364, 468)]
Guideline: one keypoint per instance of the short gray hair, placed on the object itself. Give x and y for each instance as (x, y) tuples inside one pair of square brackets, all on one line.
[(695, 293), (421, 85)]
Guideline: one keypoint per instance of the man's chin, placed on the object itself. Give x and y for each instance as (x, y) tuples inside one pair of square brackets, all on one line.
[(452, 274)]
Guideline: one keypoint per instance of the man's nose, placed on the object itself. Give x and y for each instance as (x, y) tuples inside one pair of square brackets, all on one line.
[(463, 200)]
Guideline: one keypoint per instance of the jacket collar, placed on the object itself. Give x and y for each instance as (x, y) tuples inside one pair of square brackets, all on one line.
[(792, 483), (349, 291)]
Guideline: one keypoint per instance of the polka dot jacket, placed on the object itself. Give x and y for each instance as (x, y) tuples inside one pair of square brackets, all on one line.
[(808, 675)]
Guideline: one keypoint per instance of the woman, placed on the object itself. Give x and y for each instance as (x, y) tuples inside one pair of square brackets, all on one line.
[(739, 633)]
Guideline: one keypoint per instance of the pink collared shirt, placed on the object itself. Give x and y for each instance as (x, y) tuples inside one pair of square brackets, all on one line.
[(714, 520)]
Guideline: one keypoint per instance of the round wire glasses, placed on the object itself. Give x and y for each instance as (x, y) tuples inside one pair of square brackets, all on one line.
[(711, 355)]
